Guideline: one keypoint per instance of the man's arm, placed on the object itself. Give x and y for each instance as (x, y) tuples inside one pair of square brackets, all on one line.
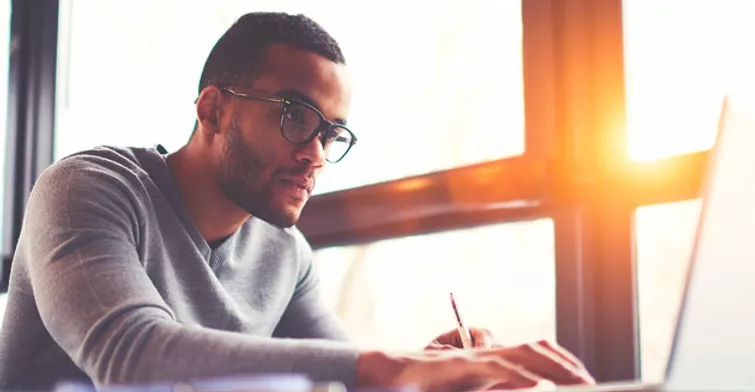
[(99, 305)]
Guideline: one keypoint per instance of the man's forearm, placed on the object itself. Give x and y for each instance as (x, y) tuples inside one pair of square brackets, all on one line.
[(143, 349)]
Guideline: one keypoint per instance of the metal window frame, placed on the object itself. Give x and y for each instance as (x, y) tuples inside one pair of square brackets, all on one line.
[(31, 111)]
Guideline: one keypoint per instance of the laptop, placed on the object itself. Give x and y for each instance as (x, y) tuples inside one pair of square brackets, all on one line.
[(714, 341)]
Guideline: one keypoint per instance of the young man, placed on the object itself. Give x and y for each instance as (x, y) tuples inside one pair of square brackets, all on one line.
[(135, 266)]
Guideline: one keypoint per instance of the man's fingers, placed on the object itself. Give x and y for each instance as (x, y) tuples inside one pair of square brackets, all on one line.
[(503, 371), (464, 374), (546, 364), (475, 373), (562, 366), (481, 338), (565, 355), (436, 345), (562, 353)]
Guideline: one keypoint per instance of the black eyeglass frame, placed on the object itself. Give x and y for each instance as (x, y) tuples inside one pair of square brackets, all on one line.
[(287, 103)]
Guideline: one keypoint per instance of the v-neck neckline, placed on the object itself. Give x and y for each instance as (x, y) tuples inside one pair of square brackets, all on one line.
[(162, 176)]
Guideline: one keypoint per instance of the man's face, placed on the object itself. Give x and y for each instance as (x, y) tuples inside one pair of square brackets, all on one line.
[(266, 175)]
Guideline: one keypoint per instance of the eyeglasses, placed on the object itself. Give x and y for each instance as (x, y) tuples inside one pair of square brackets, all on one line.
[(301, 123)]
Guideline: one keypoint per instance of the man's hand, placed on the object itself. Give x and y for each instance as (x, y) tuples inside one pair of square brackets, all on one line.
[(523, 366), (481, 338)]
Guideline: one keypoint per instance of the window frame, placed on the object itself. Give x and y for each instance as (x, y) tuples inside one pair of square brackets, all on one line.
[(573, 170), (31, 112)]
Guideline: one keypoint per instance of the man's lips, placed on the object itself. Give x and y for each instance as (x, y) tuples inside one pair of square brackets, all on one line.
[(303, 182)]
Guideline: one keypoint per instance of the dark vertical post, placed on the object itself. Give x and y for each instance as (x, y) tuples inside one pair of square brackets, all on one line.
[(31, 111), (574, 94)]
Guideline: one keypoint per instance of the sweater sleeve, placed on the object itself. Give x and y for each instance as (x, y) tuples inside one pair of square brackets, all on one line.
[(98, 303)]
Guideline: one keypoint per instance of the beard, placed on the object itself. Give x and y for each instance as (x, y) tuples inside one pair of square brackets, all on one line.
[(242, 180)]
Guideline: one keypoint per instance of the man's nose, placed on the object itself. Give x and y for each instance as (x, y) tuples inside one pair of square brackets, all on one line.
[(313, 152)]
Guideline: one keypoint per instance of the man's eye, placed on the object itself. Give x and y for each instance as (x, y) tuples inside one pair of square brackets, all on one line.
[(295, 115), (329, 135)]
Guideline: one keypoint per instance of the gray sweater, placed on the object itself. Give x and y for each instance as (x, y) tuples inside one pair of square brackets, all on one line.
[(112, 283)]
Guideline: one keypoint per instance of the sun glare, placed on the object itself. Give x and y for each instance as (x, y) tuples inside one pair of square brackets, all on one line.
[(680, 63)]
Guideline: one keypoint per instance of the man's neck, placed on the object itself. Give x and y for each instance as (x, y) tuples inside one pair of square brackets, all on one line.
[(215, 216)]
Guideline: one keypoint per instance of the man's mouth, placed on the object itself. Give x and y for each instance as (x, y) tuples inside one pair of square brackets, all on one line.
[(304, 183)]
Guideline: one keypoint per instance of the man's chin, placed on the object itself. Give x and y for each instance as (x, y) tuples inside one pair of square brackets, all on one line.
[(277, 209), (281, 217)]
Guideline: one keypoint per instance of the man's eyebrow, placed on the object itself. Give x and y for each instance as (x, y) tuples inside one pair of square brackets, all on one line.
[(296, 95)]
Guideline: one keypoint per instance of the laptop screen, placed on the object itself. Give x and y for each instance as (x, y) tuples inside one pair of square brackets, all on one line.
[(714, 347)]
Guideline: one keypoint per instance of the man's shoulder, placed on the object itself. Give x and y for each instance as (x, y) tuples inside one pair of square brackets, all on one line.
[(112, 159), (100, 169)]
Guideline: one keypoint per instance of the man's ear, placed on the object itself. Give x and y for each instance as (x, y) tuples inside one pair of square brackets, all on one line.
[(208, 109)]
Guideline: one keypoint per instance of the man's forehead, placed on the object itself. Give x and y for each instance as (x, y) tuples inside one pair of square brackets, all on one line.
[(322, 81)]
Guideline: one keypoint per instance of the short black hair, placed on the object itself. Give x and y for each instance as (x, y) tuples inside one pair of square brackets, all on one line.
[(240, 52)]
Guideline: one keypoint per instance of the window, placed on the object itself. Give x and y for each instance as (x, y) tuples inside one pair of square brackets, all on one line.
[(680, 62), (665, 235), (5, 15), (394, 294), (444, 93)]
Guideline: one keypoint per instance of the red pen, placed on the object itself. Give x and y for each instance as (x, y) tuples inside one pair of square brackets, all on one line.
[(464, 334)]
